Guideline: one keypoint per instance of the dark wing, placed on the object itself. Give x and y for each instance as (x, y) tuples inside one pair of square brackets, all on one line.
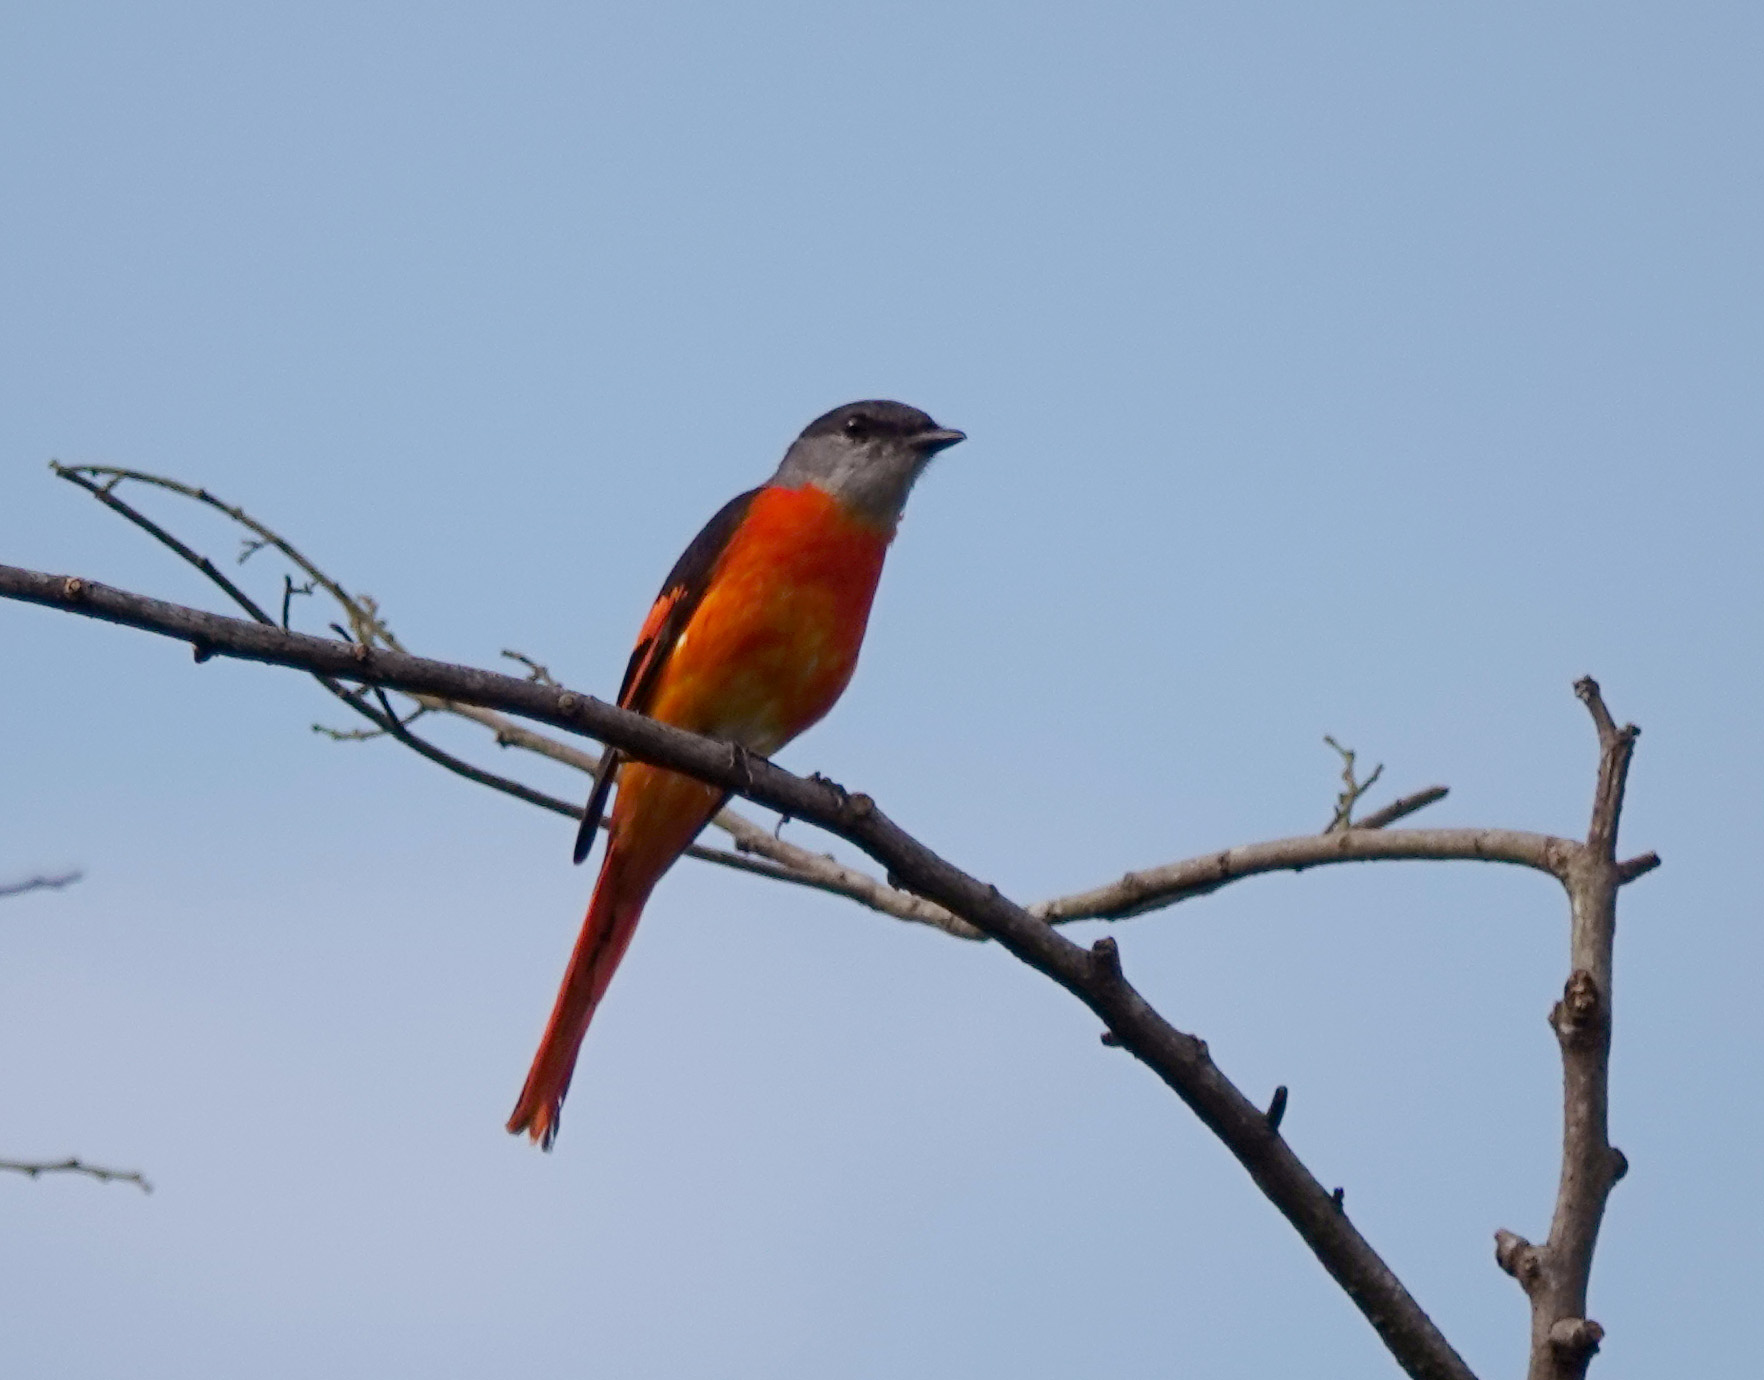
[(668, 617)]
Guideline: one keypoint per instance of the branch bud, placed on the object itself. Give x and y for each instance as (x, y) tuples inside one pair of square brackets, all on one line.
[(1575, 1339), (1105, 959), (1518, 1257)]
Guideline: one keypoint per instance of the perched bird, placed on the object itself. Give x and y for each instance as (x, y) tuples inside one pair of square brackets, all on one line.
[(753, 637)]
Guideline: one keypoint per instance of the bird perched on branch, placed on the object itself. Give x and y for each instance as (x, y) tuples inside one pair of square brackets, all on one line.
[(753, 637)]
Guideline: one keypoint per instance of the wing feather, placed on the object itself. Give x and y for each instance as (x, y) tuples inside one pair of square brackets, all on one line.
[(681, 593)]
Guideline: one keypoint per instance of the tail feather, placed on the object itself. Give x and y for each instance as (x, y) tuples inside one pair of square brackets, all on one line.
[(606, 933)]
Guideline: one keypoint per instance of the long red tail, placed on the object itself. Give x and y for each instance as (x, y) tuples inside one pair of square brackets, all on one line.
[(606, 933)]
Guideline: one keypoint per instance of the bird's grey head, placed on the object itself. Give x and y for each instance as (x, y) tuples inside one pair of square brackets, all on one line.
[(867, 455)]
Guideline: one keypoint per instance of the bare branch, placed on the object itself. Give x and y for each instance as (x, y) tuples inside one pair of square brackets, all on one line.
[(1138, 892), (1093, 976), (1616, 746), (33, 1168), (924, 888), (799, 865), (1555, 1275), (44, 882)]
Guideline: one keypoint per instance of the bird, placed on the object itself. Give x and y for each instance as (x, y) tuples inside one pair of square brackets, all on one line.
[(754, 636)]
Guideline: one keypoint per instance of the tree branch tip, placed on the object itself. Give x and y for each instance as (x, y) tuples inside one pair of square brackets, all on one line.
[(33, 1169), (1640, 866), (1276, 1112), (1110, 1039), (1339, 1198), (1619, 1165), (1586, 689), (1403, 807)]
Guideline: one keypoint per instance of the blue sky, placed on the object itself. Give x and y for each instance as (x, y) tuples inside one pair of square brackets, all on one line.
[(1371, 370)]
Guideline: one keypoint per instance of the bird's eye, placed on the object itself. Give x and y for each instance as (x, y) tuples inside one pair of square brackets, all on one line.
[(857, 427)]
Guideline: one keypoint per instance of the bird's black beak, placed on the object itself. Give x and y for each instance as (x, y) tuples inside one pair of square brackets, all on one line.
[(940, 438)]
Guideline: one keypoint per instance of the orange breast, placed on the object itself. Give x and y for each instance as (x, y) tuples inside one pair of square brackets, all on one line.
[(775, 639), (769, 649)]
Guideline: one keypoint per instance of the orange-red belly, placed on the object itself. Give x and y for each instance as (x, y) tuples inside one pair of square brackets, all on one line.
[(769, 649)]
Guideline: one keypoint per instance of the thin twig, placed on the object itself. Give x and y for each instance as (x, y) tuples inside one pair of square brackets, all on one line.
[(535, 671), (348, 735), (44, 882), (1351, 788), (289, 590), (369, 629), (1138, 892), (104, 493), (33, 1168), (1402, 807)]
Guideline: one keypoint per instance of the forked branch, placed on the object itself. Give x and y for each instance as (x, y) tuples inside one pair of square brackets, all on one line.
[(1555, 1275), (1094, 976)]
